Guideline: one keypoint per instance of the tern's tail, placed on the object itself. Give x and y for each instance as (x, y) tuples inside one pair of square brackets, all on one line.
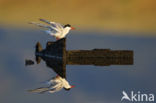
[(39, 90)]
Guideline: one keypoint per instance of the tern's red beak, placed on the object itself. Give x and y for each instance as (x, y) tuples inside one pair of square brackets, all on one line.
[(72, 86), (72, 28)]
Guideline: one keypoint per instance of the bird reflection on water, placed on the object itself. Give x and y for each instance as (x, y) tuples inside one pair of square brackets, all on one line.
[(57, 57), (55, 84)]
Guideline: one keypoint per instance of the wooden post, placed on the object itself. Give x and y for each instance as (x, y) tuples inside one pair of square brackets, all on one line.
[(101, 57), (104, 57), (56, 56)]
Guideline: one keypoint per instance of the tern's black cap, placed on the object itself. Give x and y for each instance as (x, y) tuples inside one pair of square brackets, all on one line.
[(67, 25)]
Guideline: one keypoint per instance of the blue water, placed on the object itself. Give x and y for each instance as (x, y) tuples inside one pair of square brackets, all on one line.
[(100, 84)]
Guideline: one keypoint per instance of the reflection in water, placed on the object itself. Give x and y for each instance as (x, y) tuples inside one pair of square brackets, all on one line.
[(57, 57), (55, 84)]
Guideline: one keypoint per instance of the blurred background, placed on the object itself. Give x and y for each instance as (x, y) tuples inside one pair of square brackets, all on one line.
[(112, 15), (113, 24)]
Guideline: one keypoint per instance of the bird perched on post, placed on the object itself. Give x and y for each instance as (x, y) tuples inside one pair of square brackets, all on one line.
[(55, 29), (55, 84)]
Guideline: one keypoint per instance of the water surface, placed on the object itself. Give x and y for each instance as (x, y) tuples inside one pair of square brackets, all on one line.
[(100, 84)]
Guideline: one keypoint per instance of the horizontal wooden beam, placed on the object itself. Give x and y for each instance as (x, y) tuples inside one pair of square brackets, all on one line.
[(101, 57)]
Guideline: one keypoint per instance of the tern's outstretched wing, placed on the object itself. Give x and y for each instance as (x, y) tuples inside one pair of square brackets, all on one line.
[(48, 22), (39, 90), (55, 86), (40, 25), (58, 26), (45, 26)]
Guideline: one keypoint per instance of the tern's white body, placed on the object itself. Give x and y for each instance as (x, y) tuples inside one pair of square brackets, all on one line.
[(59, 34), (55, 84), (55, 29)]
